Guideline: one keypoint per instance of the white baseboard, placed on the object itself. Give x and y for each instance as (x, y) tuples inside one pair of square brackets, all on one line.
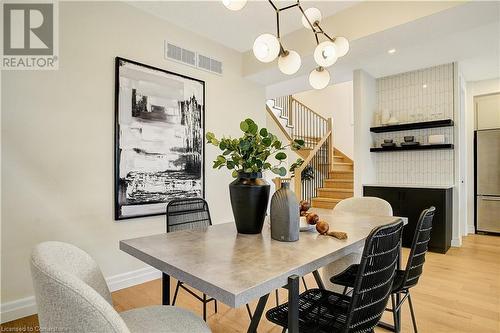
[(129, 279), (471, 229), (456, 242), (27, 306), (17, 309)]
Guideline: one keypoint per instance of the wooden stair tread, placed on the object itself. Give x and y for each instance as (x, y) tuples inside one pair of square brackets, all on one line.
[(342, 163), (342, 171), (327, 199), (340, 180), (336, 189)]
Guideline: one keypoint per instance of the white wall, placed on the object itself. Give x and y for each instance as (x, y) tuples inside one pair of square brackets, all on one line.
[(475, 88), (364, 106), (335, 102), (57, 133)]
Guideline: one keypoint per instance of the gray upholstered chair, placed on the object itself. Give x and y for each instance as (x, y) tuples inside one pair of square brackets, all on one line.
[(352, 206), (72, 296)]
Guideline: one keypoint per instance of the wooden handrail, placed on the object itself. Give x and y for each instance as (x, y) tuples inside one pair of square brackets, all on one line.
[(330, 145), (306, 124), (314, 151), (308, 108), (298, 171)]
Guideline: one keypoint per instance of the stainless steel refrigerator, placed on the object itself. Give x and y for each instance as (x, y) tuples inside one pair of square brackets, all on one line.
[(488, 180)]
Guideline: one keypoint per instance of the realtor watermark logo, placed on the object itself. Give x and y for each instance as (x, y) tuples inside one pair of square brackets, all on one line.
[(30, 35)]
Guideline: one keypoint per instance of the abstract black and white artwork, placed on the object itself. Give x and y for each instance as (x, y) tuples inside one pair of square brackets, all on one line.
[(159, 146)]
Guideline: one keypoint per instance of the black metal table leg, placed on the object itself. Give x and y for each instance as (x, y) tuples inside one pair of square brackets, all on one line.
[(293, 304), (318, 279), (254, 323), (165, 289)]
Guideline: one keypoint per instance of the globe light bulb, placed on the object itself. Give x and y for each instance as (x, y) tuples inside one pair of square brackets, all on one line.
[(234, 4), (319, 78), (314, 16), (266, 47), (289, 62), (342, 46), (325, 54)]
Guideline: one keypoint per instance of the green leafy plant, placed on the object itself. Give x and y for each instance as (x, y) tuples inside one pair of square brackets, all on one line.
[(306, 174), (250, 152)]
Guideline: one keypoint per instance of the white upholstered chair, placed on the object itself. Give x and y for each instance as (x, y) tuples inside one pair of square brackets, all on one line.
[(72, 296), (352, 206)]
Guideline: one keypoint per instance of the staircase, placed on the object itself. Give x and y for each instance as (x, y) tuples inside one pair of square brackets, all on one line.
[(338, 185), (332, 170)]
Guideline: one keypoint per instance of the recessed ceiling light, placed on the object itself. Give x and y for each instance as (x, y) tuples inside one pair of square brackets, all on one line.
[(424, 86), (391, 51)]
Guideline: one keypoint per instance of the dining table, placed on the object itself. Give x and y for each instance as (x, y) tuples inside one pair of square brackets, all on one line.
[(238, 268)]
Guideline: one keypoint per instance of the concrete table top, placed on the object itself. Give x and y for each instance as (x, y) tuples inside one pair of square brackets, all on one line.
[(236, 268)]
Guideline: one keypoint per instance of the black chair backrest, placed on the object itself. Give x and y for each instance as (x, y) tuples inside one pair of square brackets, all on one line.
[(373, 283), (416, 259), (189, 213)]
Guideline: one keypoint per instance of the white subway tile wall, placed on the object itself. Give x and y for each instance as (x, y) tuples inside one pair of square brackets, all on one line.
[(421, 95)]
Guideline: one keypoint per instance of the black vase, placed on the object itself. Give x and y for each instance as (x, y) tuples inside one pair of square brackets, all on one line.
[(249, 198)]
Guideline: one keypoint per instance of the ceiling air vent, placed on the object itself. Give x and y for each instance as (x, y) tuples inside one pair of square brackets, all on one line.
[(176, 53), (209, 64), (203, 62), (216, 66), (192, 58)]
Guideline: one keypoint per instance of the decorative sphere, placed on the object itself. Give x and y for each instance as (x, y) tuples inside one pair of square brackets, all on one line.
[(234, 4), (342, 46), (289, 64), (325, 54), (266, 47), (313, 14), (319, 78)]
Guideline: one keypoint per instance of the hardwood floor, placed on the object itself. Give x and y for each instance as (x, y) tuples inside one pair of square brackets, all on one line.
[(458, 292)]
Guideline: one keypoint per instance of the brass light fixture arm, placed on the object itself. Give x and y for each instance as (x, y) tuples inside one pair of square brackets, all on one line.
[(308, 21), (321, 31), (315, 27), (278, 10)]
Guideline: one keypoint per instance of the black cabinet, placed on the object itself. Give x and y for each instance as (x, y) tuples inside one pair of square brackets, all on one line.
[(409, 202)]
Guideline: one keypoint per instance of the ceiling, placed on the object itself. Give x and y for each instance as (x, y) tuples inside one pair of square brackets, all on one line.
[(468, 34), (235, 29)]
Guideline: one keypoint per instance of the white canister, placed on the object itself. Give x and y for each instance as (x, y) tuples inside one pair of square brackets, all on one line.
[(386, 115), (436, 139)]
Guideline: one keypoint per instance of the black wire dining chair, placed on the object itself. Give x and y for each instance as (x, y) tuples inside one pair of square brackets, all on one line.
[(404, 279), (325, 311), (189, 213)]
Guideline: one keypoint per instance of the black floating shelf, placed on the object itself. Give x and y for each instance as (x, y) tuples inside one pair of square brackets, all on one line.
[(416, 147), (412, 126)]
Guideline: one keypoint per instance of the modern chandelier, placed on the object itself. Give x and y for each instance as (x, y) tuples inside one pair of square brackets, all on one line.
[(267, 47)]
